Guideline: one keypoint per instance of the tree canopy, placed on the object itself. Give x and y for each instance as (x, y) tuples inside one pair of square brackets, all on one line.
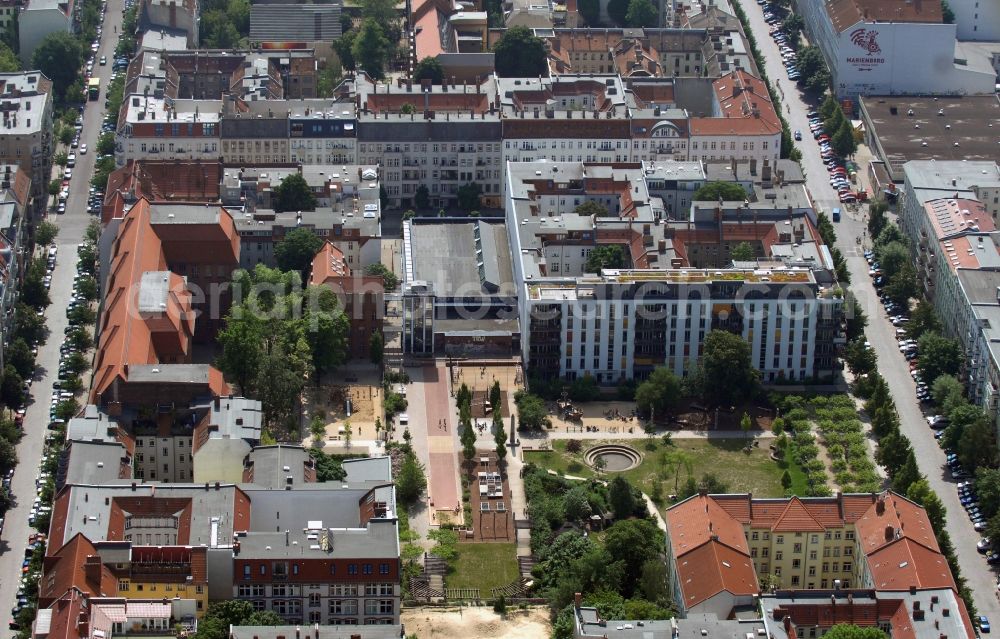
[(659, 393), (728, 373), (725, 191), (939, 355), (370, 49), (519, 53), (848, 631), (293, 194), (604, 256), (295, 252), (642, 14), (59, 56), (429, 69)]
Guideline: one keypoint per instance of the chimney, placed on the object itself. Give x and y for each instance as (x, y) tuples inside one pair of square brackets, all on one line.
[(880, 506), (890, 533), (577, 600), (92, 568)]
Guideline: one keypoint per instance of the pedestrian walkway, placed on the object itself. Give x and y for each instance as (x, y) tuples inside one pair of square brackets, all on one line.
[(443, 492)]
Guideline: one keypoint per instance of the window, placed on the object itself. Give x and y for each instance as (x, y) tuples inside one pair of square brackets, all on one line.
[(778, 555), (780, 539), (847, 566), (122, 585), (352, 569), (314, 600), (383, 569)]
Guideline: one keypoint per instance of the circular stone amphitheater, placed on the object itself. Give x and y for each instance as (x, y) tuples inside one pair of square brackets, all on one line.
[(617, 457)]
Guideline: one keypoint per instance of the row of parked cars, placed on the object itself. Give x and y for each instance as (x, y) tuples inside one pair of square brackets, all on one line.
[(787, 52), (840, 179)]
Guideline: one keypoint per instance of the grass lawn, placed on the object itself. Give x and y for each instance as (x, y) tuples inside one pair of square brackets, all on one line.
[(741, 472), (483, 566)]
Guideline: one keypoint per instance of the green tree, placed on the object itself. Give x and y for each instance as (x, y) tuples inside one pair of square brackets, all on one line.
[(468, 440), (591, 208), (576, 504), (610, 256), (727, 366), (411, 480), (46, 232), (618, 11), (922, 319), (590, 10), (641, 14), (939, 355), (59, 56), (743, 252), (890, 233), (621, 497), (531, 411), (344, 48), (371, 49), (429, 69), (921, 492), (293, 194), (659, 394), (329, 76), (891, 257), (8, 59), (947, 392), (786, 480), (327, 329), (843, 140), (468, 196), (633, 542), (977, 447), (725, 191), (295, 252), (903, 285), (906, 475), (61, 158), (33, 292), (18, 354), (859, 358), (499, 437), (317, 428), (848, 631), (745, 425), (988, 490), (376, 348), (877, 218), (8, 455), (519, 54), (106, 144), (947, 13), (422, 198), (389, 279)]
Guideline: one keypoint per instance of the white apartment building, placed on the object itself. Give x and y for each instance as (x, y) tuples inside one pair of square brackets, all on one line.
[(26, 130), (622, 324), (977, 19)]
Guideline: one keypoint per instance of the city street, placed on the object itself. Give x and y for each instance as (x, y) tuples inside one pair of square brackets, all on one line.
[(882, 335), (72, 226)]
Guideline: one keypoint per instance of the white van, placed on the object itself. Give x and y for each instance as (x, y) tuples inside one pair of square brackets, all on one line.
[(404, 419)]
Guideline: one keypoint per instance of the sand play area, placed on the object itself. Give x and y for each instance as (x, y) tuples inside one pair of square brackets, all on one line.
[(476, 623), (330, 403)]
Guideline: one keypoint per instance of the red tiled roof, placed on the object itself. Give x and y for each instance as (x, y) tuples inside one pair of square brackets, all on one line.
[(68, 568), (697, 520), (796, 518), (713, 568), (904, 563)]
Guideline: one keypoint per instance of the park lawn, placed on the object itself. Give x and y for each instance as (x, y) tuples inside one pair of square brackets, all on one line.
[(483, 566), (725, 458), (800, 481)]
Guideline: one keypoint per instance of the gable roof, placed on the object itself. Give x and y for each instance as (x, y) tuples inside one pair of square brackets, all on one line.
[(797, 518), (69, 568), (712, 568)]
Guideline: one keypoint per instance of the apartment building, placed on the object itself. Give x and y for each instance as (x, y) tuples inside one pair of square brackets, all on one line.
[(678, 281), (720, 548), (40, 18), (15, 200), (439, 137), (147, 316), (348, 211), (160, 181), (744, 124), (163, 129), (361, 296), (26, 134), (664, 52), (207, 75), (173, 15), (328, 553), (283, 131)]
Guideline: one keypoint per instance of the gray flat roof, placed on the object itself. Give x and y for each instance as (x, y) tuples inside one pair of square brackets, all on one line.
[(183, 213), (154, 288), (272, 465), (445, 254), (93, 462), (963, 132), (176, 373), (315, 632)]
